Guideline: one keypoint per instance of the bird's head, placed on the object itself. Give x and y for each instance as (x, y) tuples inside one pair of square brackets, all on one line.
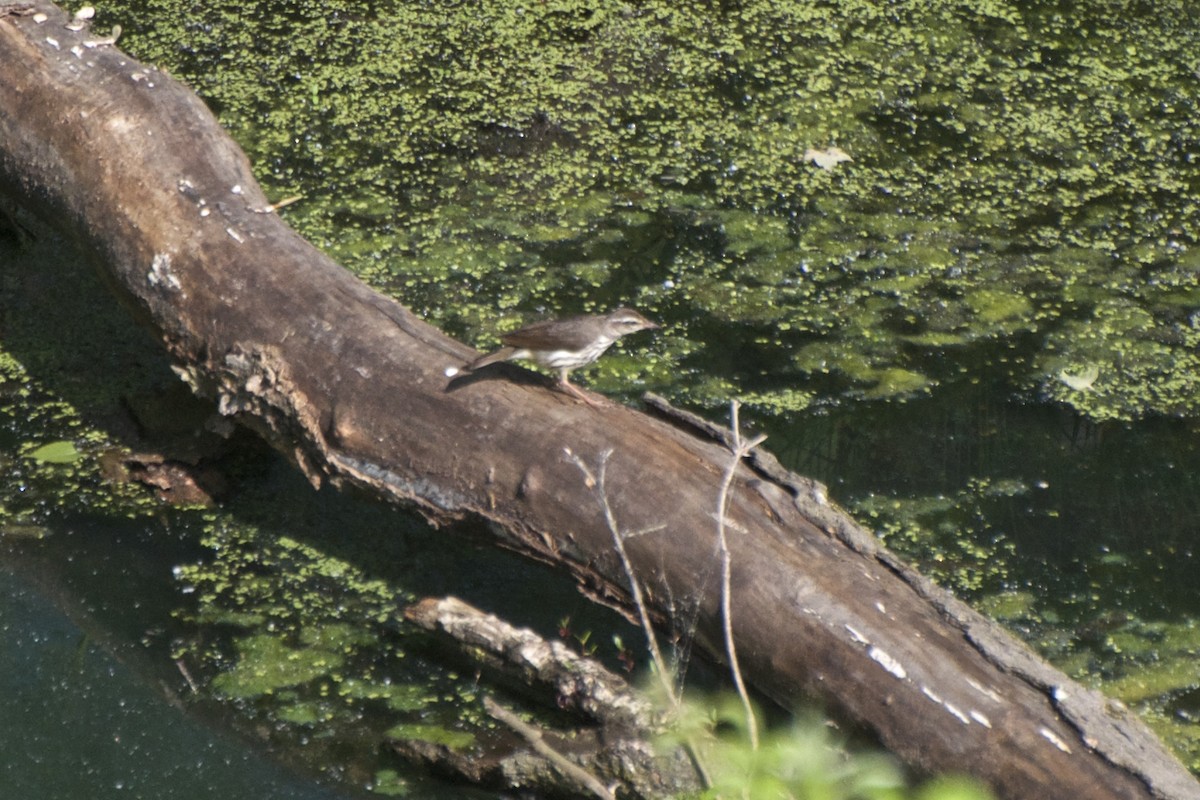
[(625, 320)]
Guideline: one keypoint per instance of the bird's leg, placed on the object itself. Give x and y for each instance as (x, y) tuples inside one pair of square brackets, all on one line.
[(571, 388)]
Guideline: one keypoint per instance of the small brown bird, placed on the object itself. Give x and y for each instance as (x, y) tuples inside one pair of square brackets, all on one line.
[(566, 344)]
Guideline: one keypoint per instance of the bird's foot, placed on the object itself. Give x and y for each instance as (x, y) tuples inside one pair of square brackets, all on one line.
[(593, 400)]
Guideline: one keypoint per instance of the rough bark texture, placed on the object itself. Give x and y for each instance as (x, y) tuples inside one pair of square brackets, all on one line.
[(611, 729), (131, 164)]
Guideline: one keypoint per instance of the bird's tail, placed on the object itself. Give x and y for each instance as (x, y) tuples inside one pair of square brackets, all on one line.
[(495, 357)]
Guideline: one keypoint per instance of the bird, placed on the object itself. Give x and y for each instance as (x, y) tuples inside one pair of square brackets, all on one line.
[(566, 344)]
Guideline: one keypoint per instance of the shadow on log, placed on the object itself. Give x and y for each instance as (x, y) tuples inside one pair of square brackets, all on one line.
[(133, 166)]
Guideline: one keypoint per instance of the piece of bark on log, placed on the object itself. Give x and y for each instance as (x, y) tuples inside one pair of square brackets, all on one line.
[(350, 384), (611, 729)]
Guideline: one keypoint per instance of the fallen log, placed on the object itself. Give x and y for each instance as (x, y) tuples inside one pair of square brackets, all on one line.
[(351, 385)]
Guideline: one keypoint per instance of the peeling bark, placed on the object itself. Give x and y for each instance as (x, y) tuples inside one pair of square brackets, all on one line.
[(611, 737), (132, 165)]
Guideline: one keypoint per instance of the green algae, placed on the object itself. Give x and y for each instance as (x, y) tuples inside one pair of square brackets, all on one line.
[(488, 162), (60, 452), (952, 537), (434, 734), (56, 476), (306, 618), (265, 664)]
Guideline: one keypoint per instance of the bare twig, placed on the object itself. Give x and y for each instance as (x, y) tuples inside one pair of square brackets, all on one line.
[(739, 451), (538, 742), (596, 483), (285, 202)]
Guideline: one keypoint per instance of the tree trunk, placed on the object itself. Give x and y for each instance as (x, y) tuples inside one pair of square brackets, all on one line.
[(350, 384)]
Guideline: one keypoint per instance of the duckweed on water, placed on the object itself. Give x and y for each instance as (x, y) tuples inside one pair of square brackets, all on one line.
[(493, 161), (302, 613), (56, 471), (60, 452), (311, 643), (952, 536), (264, 664), (435, 734)]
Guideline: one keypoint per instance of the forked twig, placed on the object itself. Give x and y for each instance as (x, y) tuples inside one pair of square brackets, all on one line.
[(596, 483), (739, 449)]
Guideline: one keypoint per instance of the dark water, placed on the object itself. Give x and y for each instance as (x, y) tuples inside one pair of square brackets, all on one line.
[(76, 721)]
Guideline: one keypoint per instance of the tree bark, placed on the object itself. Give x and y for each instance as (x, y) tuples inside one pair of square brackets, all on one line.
[(351, 385), (611, 735)]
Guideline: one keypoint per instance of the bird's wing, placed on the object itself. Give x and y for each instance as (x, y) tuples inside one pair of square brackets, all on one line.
[(561, 334)]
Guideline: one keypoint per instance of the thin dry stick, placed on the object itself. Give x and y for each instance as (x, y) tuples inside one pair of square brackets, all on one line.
[(740, 450), (538, 742), (597, 483)]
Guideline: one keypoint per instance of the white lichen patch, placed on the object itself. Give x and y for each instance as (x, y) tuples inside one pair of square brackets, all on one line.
[(888, 662), (990, 694), (956, 713), (161, 275), (1054, 739), (981, 719), (120, 124), (856, 636)]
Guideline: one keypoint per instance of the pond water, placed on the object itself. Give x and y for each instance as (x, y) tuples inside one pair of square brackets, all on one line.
[(983, 331), (79, 722)]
